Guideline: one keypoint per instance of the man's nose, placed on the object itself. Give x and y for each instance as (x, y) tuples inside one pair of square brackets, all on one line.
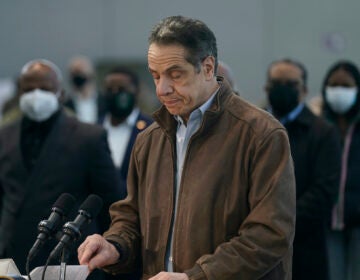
[(164, 86)]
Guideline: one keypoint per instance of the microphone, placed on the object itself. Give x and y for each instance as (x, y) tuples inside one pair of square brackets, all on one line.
[(88, 210), (48, 228)]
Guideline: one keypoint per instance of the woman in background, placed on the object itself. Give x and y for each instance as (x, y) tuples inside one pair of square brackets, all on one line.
[(340, 92)]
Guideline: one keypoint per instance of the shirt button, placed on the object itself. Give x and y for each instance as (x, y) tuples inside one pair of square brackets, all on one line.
[(171, 259)]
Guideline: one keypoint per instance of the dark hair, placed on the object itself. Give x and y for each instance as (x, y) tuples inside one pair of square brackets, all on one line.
[(198, 40), (353, 70), (304, 73), (126, 71)]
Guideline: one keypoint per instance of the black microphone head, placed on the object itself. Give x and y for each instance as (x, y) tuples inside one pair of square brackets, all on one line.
[(92, 205), (65, 203), (48, 228)]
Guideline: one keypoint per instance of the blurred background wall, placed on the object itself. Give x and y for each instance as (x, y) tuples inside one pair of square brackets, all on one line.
[(250, 34)]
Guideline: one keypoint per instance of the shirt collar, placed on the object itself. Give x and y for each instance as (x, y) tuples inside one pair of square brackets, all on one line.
[(292, 115), (129, 121)]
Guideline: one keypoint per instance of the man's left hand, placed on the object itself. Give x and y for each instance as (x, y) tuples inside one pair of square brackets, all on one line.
[(169, 276)]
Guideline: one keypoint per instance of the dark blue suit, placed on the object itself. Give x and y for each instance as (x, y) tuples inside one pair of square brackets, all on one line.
[(142, 122)]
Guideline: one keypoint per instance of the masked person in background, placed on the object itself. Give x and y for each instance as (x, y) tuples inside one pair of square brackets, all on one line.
[(84, 99), (340, 92), (315, 147), (43, 154), (123, 120)]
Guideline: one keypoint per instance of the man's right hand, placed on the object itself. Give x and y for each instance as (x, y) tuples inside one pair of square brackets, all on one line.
[(97, 252)]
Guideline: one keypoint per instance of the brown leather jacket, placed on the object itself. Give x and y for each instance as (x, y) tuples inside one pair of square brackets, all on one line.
[(236, 204)]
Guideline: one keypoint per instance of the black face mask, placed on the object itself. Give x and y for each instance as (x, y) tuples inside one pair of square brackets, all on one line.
[(283, 97), (79, 81), (120, 104)]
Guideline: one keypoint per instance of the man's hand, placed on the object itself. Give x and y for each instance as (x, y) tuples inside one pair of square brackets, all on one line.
[(169, 276), (96, 252)]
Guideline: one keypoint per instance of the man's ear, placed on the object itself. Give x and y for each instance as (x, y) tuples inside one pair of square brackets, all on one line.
[(209, 67)]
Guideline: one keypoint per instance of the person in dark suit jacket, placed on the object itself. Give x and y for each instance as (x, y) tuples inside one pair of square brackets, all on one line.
[(44, 154), (124, 120), (315, 148)]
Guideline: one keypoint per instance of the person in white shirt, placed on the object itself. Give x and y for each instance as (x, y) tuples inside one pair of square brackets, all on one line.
[(124, 119)]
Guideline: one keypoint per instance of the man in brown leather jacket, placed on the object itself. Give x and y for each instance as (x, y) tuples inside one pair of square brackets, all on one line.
[(211, 188)]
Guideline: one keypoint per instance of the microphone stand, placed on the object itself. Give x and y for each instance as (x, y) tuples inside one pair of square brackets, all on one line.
[(63, 265)]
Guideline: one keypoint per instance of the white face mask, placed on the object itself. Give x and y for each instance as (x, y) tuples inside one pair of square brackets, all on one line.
[(39, 105), (340, 99)]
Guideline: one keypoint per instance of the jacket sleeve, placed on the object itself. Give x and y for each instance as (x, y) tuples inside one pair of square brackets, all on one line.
[(125, 226), (263, 246)]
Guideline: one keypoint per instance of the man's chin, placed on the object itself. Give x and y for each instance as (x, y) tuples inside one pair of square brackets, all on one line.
[(173, 111)]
